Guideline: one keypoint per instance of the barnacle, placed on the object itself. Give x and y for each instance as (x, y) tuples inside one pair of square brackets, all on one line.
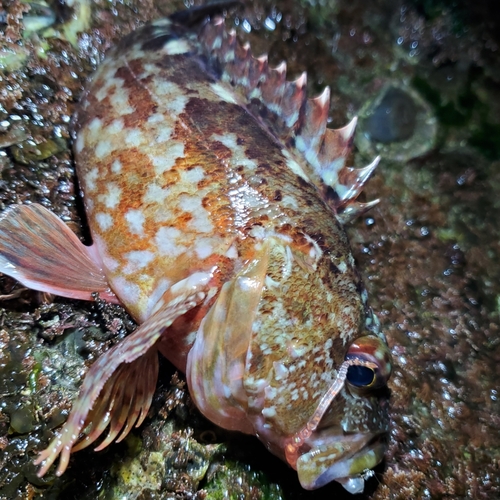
[(397, 124)]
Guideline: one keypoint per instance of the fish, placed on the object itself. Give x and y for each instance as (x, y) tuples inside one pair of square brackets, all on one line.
[(217, 199)]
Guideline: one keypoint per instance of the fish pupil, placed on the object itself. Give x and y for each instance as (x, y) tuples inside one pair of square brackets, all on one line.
[(360, 376)]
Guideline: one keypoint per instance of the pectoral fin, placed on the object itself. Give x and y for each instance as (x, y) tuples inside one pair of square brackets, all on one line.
[(217, 360), (40, 250), (118, 387)]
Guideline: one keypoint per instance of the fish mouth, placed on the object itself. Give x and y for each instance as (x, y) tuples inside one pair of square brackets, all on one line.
[(340, 457)]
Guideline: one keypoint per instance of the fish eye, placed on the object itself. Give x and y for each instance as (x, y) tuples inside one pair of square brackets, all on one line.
[(370, 362), (361, 376)]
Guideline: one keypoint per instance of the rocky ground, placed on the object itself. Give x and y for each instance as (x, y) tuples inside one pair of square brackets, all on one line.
[(424, 77)]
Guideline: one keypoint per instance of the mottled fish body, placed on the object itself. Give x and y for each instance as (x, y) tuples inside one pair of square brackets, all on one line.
[(216, 198)]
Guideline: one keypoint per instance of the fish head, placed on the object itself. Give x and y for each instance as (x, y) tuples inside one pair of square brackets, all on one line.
[(350, 437), (302, 366), (345, 436)]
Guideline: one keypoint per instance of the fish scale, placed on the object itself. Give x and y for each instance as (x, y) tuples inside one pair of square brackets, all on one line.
[(216, 197)]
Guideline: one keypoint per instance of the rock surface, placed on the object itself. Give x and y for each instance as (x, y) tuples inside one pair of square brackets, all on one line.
[(429, 251)]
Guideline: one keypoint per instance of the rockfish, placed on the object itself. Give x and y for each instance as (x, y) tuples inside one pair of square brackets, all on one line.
[(216, 198)]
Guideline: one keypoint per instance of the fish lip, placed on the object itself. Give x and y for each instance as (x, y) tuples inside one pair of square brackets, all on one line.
[(314, 469), (335, 435)]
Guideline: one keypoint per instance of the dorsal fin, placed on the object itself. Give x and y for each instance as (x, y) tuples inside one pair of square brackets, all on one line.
[(298, 122)]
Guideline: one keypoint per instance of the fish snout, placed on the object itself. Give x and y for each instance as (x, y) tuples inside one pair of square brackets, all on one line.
[(341, 457)]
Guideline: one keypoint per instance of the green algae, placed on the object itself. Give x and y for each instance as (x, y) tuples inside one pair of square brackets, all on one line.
[(234, 481), (28, 152)]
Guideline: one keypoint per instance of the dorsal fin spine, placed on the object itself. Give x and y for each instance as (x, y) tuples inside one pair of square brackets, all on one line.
[(354, 210), (314, 126), (356, 178), (299, 122), (347, 132), (294, 99), (227, 47), (272, 87)]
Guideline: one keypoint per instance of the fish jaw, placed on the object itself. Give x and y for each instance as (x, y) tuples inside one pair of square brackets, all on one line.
[(334, 453), (336, 456)]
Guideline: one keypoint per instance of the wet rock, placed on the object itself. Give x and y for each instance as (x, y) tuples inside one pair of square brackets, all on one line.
[(233, 480), (175, 464), (40, 17), (429, 255)]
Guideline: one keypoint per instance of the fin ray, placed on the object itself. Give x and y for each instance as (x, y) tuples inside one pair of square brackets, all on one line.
[(217, 359), (40, 250), (106, 375), (292, 118)]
